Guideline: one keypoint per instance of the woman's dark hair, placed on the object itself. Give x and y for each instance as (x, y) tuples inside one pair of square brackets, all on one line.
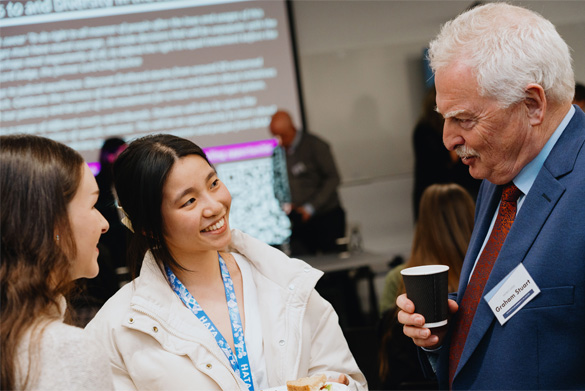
[(140, 173), (108, 152), (38, 179), (110, 147)]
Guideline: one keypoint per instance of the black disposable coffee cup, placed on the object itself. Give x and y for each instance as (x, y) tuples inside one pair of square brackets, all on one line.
[(427, 287)]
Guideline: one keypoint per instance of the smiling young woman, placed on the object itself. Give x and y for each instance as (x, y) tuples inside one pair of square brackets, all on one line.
[(213, 308), (50, 231)]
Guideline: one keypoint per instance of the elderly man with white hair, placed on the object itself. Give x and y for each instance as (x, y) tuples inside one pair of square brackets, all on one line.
[(504, 86)]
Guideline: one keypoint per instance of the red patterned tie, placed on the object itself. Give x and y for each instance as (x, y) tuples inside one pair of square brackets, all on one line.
[(484, 265)]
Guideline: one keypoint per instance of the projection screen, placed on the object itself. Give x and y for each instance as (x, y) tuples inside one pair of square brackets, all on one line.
[(80, 71)]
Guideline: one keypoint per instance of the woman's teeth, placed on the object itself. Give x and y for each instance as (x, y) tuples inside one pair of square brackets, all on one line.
[(215, 226)]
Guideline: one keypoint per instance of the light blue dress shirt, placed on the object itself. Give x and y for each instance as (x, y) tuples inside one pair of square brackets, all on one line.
[(526, 177)]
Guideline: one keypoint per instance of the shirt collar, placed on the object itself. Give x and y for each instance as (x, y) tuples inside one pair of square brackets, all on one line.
[(295, 143), (525, 179)]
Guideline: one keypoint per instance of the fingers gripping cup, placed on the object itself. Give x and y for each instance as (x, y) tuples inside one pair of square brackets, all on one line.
[(427, 287)]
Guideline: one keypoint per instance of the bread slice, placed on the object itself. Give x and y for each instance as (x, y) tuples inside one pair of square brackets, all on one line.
[(312, 383)]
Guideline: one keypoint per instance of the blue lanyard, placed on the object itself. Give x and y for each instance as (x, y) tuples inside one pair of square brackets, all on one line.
[(240, 364)]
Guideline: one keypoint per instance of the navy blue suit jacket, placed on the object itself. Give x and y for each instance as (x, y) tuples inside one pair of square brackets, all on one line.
[(543, 345)]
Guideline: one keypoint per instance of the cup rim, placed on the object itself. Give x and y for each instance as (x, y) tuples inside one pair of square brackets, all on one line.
[(424, 270)]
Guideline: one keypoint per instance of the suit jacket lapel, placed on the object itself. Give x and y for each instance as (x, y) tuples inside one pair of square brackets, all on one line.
[(483, 216)]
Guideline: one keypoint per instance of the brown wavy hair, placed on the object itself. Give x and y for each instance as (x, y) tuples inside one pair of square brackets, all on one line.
[(444, 229), (441, 237), (38, 179)]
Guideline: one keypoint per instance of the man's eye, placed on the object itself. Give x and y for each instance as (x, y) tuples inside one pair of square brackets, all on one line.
[(464, 122), (215, 183)]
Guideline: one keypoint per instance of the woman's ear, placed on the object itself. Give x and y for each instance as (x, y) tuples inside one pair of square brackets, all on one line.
[(57, 234), (536, 104)]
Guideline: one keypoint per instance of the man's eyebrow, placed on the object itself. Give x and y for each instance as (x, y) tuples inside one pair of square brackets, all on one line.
[(451, 113)]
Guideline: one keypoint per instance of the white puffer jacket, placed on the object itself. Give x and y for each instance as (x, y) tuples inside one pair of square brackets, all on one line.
[(155, 343)]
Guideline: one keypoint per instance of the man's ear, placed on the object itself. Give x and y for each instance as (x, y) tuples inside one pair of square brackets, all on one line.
[(536, 103)]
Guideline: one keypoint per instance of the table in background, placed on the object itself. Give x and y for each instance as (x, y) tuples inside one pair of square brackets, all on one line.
[(348, 261), (358, 315), (344, 272)]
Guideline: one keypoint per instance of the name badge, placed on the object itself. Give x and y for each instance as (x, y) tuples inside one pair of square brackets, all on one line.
[(512, 293), (298, 168)]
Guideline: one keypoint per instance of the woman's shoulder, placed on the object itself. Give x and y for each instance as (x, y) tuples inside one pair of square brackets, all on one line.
[(70, 344), (58, 336), (70, 356)]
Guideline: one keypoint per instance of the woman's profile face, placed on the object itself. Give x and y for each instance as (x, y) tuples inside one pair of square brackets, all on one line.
[(87, 225), (195, 208)]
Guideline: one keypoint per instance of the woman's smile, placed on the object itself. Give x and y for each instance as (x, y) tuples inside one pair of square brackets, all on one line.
[(219, 226)]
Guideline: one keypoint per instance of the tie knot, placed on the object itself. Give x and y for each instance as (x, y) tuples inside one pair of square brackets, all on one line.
[(511, 193)]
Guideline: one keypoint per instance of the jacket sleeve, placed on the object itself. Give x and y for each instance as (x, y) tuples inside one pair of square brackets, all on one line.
[(330, 353)]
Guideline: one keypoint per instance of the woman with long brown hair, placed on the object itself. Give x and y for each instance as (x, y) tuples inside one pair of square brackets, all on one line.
[(50, 230), (441, 236)]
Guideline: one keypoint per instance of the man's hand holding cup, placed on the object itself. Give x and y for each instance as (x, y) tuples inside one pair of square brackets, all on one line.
[(426, 293)]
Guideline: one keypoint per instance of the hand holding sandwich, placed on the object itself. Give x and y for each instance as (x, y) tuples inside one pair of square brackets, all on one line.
[(315, 383)]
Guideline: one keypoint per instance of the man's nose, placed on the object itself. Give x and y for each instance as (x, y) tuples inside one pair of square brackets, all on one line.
[(451, 136)]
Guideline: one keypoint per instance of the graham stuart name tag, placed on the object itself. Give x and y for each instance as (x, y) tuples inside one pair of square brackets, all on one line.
[(511, 294)]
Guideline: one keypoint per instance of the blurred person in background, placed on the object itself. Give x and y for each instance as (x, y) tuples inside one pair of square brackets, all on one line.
[(316, 215), (579, 98), (433, 163), (115, 238), (441, 236)]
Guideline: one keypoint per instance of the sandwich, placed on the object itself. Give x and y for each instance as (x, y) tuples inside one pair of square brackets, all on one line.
[(312, 383)]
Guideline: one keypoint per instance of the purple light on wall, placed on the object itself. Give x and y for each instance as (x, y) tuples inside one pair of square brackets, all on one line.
[(227, 153), (243, 151), (94, 167)]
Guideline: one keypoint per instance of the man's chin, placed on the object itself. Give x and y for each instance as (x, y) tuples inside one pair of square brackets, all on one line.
[(476, 173)]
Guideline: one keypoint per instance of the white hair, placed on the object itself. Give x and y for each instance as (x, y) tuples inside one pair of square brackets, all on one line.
[(507, 47)]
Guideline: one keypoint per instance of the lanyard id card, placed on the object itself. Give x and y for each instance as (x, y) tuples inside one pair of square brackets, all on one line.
[(239, 362)]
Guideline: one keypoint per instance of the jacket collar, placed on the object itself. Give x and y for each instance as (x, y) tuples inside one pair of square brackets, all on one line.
[(290, 274), (154, 296)]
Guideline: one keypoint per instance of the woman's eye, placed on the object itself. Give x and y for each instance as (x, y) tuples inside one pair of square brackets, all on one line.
[(191, 200), (215, 183)]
